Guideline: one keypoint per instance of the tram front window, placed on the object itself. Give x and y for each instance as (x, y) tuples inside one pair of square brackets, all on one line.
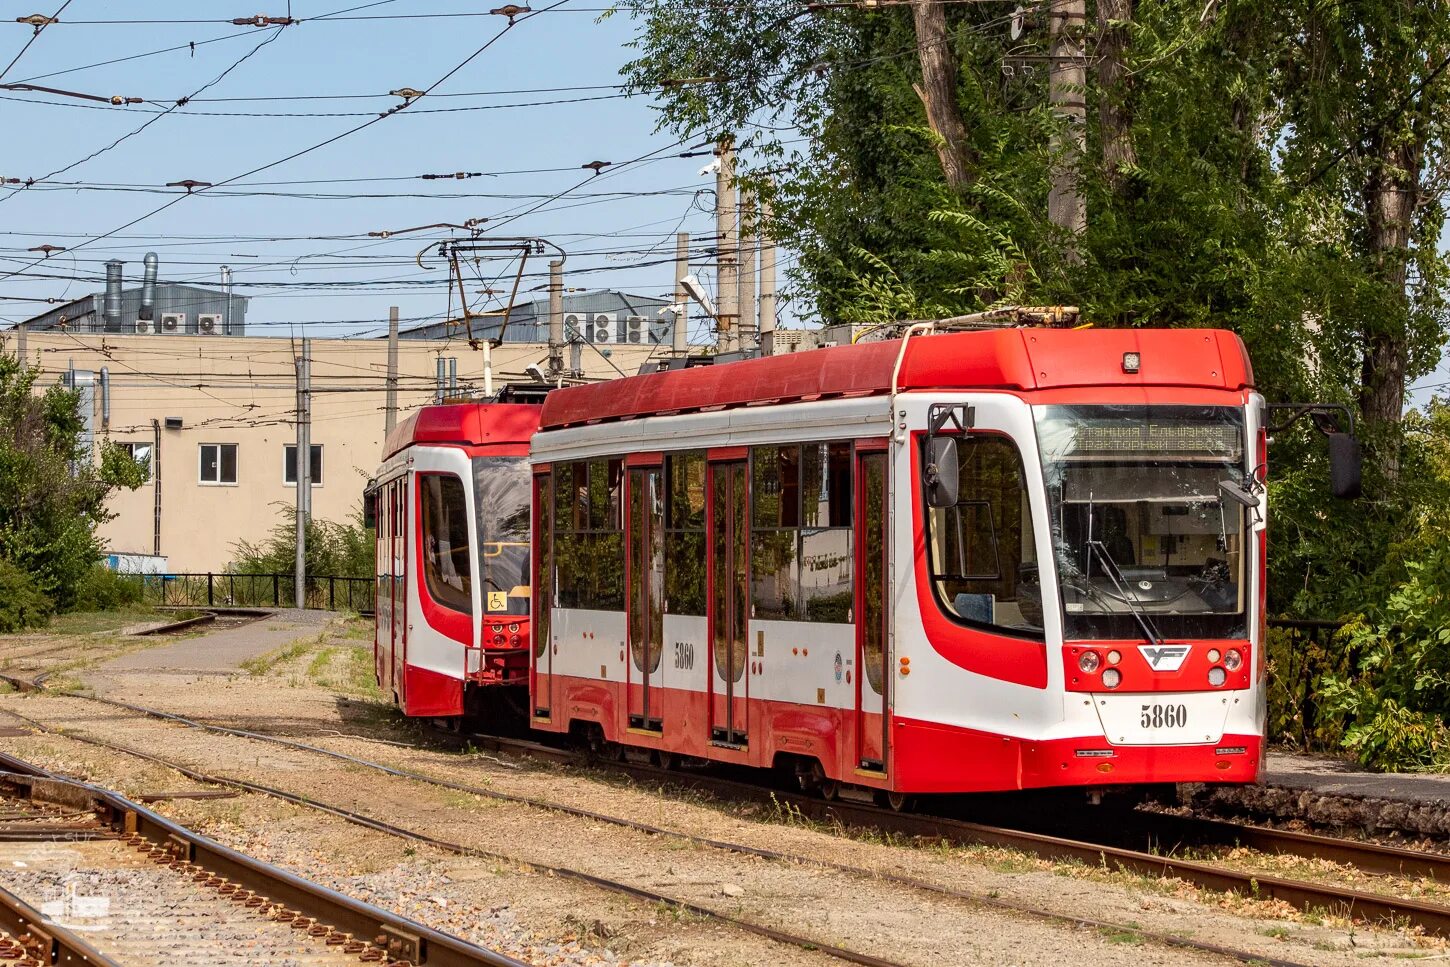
[(1140, 528), (501, 489)]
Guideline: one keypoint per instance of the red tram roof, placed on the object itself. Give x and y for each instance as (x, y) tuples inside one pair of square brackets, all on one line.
[(1013, 359), (470, 424)]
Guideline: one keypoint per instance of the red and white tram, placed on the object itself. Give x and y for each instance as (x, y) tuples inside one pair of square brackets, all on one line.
[(962, 562), (450, 505)]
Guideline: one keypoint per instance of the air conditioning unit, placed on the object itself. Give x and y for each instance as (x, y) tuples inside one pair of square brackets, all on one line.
[(208, 323), (631, 329), (172, 322), (144, 325), (575, 326), (600, 325)]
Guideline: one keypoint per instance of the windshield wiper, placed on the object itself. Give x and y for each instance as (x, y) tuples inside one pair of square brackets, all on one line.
[(1115, 574)]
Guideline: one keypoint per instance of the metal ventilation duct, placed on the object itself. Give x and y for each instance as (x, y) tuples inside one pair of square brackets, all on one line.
[(112, 309), (148, 288)]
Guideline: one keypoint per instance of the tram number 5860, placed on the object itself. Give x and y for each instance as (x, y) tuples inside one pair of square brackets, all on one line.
[(684, 655), (1165, 716)]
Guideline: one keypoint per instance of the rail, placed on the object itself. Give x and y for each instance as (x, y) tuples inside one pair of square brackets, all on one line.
[(246, 590)]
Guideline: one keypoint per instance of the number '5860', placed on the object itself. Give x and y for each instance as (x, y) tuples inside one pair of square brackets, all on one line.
[(1164, 716)]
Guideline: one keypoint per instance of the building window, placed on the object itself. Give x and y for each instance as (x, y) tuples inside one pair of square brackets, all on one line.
[(140, 452), (218, 463), (289, 464)]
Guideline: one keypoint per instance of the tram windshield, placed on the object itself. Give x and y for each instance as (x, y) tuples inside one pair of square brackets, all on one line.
[(501, 487), (1142, 535)]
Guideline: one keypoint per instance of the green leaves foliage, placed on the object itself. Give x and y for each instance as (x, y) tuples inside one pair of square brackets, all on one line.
[(52, 492), (335, 549)]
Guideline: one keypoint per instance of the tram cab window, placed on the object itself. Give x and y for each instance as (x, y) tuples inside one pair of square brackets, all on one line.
[(800, 543), (982, 553), (447, 548)]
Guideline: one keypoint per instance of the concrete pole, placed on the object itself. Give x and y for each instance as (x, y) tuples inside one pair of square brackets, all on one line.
[(749, 335), (303, 468), (681, 334), (438, 379), (1066, 92), (556, 318), (390, 408), (767, 283), (727, 271)]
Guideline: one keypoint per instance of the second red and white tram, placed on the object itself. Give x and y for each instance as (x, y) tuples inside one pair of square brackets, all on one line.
[(451, 509)]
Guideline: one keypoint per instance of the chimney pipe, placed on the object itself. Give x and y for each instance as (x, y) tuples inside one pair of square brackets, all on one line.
[(227, 288), (112, 310), (148, 288)]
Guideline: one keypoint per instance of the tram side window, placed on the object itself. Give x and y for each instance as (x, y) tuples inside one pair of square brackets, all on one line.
[(800, 547), (446, 541), (588, 534), (685, 533), (544, 539), (983, 557)]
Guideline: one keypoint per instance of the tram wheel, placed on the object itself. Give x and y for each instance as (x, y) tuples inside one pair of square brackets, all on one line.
[(669, 761), (898, 801), (830, 790)]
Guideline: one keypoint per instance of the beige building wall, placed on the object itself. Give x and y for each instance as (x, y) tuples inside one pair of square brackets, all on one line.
[(241, 390)]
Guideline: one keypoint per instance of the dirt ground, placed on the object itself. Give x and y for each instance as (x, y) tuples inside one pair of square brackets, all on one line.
[(315, 684)]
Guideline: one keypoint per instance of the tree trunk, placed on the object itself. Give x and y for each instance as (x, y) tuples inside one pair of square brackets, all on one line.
[(1115, 91), (938, 92), (1391, 195), (1067, 93)]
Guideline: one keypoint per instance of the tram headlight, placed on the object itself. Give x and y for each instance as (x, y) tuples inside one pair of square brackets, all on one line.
[(514, 628), (1114, 657), (1089, 661), (498, 640), (1217, 676), (1232, 660), (1213, 655), (1112, 677), (497, 629)]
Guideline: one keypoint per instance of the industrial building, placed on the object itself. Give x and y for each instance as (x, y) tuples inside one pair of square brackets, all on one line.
[(602, 317), (152, 308), (215, 419)]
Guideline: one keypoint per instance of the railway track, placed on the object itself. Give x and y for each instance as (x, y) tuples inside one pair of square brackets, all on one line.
[(90, 877), (1166, 939)]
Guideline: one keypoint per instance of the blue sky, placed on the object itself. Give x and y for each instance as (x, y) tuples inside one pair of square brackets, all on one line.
[(275, 242)]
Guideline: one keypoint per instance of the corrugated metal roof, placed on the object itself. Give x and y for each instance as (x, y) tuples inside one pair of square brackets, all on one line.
[(188, 301)]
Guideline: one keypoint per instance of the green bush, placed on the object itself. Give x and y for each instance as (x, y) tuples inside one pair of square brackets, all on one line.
[(22, 604), (102, 589)]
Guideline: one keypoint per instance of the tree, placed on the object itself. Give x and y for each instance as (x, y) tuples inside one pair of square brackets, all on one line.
[(52, 491)]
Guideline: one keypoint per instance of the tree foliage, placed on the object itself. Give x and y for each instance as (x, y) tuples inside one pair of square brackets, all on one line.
[(52, 491), (334, 548)]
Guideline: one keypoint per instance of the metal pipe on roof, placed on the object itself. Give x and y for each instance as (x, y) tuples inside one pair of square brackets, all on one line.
[(227, 288), (111, 311), (148, 287)]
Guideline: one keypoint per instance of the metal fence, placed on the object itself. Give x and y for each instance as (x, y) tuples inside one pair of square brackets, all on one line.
[(255, 591)]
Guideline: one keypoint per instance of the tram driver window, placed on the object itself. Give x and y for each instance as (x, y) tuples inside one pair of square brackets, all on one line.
[(447, 556), (982, 554)]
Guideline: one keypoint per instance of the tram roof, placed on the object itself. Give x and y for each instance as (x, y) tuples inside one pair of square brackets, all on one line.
[(1010, 359), (470, 424)]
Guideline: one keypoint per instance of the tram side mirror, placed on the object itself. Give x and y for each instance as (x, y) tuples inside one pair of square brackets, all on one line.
[(941, 472), (1345, 462), (370, 508), (1239, 494)]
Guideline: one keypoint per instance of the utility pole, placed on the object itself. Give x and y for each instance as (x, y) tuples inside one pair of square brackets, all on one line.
[(767, 282), (20, 348), (727, 269), (556, 319), (681, 333), (1066, 92), (390, 408), (303, 466), (749, 241)]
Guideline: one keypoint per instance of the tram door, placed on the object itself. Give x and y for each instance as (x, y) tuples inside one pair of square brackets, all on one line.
[(645, 593), (873, 606), (729, 601)]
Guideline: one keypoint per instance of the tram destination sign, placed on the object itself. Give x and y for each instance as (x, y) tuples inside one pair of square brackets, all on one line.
[(1154, 436)]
